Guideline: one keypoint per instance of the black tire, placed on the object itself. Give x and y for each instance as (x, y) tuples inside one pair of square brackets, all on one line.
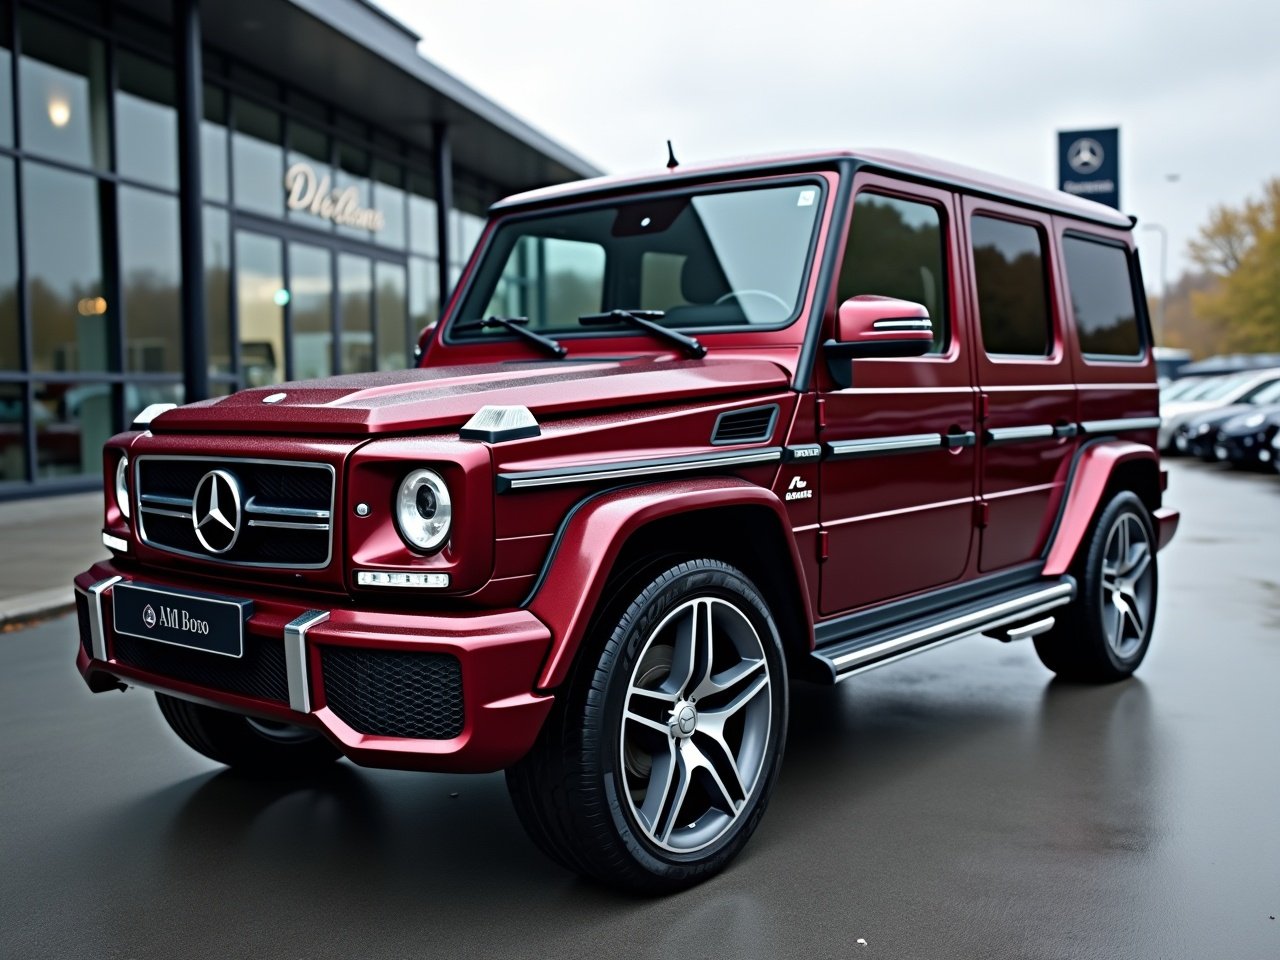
[(1083, 644), (259, 748), (583, 789)]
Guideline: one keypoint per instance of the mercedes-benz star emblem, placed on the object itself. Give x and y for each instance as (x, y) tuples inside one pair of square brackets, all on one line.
[(1085, 155), (215, 511), (149, 616)]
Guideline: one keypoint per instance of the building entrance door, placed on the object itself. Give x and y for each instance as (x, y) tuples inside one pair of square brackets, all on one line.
[(310, 306)]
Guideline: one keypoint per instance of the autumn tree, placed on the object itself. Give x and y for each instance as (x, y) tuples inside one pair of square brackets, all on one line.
[(1241, 248)]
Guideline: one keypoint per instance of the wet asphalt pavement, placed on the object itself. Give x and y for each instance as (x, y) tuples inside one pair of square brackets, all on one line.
[(959, 805)]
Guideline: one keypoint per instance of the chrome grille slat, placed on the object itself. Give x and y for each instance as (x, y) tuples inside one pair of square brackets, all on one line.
[(285, 520)]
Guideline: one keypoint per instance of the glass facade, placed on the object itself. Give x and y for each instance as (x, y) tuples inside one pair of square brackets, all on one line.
[(321, 251)]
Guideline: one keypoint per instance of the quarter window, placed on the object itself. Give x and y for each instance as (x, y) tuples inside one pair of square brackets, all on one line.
[(896, 249), (1102, 299), (1012, 286)]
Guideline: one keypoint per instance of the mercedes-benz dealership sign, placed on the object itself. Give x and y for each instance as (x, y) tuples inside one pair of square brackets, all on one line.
[(1089, 164)]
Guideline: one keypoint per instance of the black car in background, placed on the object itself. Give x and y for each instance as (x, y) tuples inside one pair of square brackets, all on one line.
[(1198, 435), (1250, 439)]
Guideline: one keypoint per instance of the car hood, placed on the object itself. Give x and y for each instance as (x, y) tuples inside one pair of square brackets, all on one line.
[(446, 397), (1217, 415)]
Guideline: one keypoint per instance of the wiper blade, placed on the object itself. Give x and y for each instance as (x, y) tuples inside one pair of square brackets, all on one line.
[(644, 320), (515, 325)]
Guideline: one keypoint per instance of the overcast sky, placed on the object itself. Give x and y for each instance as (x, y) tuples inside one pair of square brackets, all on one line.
[(1193, 86)]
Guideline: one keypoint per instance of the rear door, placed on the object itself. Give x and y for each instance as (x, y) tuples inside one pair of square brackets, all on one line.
[(897, 478), (1027, 394)]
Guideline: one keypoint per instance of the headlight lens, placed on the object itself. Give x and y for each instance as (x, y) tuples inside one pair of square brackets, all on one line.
[(122, 486), (424, 511)]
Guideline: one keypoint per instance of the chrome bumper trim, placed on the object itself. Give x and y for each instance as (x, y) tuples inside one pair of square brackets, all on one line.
[(295, 658), (97, 635)]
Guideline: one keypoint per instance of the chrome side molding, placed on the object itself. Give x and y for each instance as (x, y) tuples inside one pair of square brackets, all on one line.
[(845, 449), (1120, 425)]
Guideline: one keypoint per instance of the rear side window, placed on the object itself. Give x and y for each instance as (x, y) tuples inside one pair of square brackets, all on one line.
[(1013, 287), (1102, 300), (896, 249)]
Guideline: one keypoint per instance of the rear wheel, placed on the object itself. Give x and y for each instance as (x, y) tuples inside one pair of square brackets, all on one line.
[(657, 764), (1104, 634), (253, 746)]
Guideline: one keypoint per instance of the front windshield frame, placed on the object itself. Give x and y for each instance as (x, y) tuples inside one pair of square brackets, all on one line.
[(451, 337)]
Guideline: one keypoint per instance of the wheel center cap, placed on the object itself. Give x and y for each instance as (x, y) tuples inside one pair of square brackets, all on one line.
[(684, 720)]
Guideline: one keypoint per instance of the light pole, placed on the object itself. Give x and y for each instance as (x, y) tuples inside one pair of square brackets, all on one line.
[(1164, 275)]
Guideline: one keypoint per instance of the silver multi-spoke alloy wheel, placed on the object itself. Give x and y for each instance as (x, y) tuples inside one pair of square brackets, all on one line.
[(1127, 578), (655, 765), (695, 726)]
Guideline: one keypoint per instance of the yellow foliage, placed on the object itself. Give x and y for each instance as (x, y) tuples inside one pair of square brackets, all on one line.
[(1241, 248)]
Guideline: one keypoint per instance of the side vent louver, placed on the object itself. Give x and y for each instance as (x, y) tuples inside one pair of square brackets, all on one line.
[(752, 425)]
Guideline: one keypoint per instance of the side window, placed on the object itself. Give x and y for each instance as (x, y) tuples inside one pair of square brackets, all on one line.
[(1102, 298), (549, 278), (896, 249), (1013, 288)]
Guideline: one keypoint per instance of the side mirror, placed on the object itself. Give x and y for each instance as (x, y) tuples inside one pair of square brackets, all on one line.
[(872, 326)]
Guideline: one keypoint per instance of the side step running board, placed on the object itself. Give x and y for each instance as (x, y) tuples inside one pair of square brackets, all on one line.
[(1018, 606)]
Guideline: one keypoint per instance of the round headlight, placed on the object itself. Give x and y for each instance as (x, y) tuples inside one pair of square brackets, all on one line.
[(122, 486), (423, 510)]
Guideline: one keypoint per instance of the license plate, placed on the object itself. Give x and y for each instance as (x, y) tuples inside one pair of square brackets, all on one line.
[(197, 621)]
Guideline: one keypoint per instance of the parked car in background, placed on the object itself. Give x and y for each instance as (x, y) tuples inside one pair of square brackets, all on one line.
[(1221, 392), (1197, 436), (1250, 439)]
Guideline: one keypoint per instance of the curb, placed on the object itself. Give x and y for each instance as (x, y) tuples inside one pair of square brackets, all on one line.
[(15, 611)]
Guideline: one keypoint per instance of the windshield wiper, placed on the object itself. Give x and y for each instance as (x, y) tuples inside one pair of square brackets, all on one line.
[(515, 325), (644, 320)]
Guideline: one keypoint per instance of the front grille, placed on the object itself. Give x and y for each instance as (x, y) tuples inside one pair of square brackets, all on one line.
[(259, 674), (285, 516), (392, 694)]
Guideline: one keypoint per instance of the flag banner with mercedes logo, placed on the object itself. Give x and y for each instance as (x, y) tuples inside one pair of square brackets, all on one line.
[(1089, 164)]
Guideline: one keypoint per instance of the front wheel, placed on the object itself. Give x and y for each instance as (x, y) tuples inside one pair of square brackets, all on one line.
[(657, 764), (1104, 634)]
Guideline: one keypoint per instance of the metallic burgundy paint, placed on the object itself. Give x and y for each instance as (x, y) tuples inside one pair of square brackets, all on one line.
[(873, 529), (1094, 468)]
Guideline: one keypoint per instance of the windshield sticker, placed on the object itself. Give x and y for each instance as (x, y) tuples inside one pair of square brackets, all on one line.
[(806, 198)]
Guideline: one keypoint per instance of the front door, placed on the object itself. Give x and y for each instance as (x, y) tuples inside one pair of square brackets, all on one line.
[(1028, 394), (897, 478)]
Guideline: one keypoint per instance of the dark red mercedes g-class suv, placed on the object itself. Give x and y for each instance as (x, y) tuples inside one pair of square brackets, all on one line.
[(677, 440)]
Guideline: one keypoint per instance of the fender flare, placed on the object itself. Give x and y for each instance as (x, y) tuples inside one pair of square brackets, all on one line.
[(1090, 477), (595, 533)]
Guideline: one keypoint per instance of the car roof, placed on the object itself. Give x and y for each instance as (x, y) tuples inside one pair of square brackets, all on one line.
[(914, 165)]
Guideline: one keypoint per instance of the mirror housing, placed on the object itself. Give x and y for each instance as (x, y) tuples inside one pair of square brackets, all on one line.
[(874, 326)]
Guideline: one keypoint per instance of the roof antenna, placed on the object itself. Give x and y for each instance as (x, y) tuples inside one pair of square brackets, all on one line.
[(672, 162)]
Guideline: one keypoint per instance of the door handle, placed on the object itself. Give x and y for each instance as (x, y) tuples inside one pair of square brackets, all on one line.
[(955, 438), (1063, 430)]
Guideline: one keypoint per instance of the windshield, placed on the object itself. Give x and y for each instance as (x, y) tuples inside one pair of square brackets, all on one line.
[(716, 259)]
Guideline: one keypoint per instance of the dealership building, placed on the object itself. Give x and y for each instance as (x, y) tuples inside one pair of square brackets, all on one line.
[(200, 196)]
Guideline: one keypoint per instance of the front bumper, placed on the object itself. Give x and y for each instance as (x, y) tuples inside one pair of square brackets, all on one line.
[(445, 692)]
